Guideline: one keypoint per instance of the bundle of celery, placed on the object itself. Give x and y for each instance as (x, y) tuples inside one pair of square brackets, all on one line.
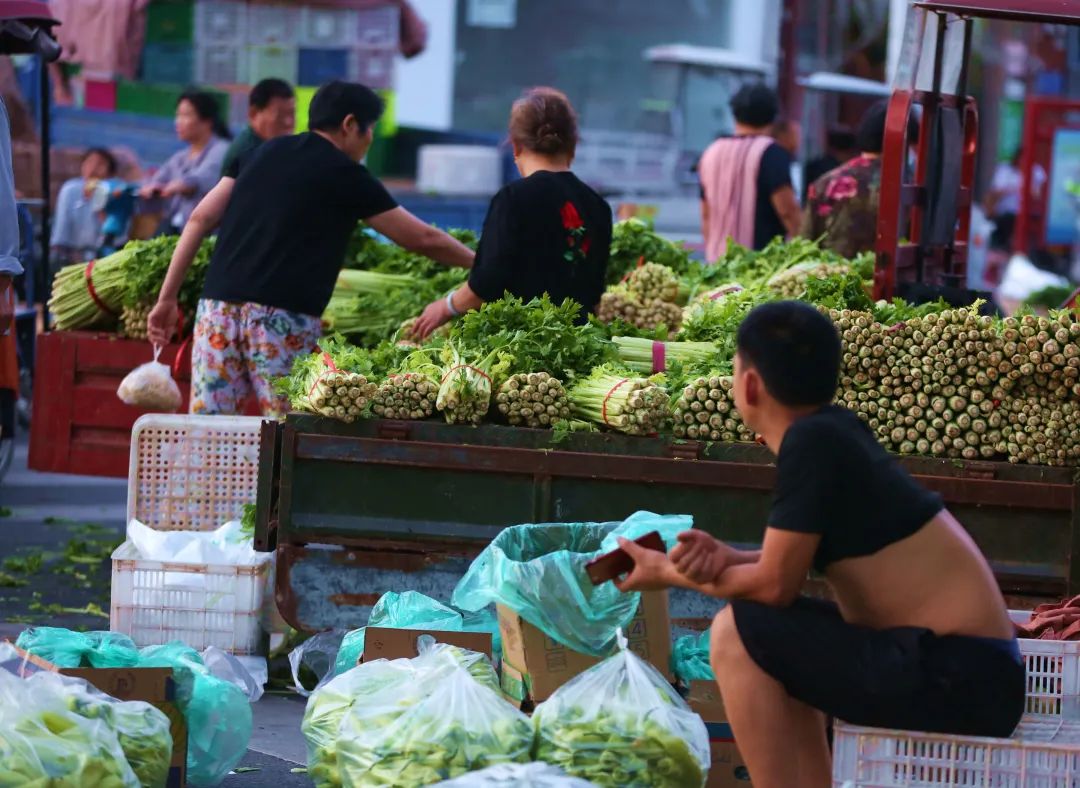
[(465, 391), (146, 271), (619, 304), (636, 406), (533, 399), (706, 411), (646, 355), (91, 294), (330, 381)]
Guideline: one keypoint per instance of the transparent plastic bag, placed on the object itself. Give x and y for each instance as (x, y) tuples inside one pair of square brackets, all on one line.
[(621, 724), (329, 704), (690, 658), (440, 725), (517, 775), (43, 743), (150, 386), (538, 571), (217, 712), (142, 731), (67, 649)]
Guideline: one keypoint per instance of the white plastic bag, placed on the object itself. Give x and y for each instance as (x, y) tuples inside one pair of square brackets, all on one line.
[(43, 743), (151, 387), (517, 775), (223, 545), (442, 724), (621, 724), (247, 674)]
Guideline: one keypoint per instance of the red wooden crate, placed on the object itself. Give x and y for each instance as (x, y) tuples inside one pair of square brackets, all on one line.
[(79, 424)]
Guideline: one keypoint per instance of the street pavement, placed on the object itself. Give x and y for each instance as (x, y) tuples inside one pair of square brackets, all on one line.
[(71, 524)]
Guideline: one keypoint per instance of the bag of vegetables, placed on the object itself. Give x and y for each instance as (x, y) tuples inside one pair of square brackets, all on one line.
[(43, 743), (517, 775), (68, 649), (142, 730), (538, 571), (440, 725), (621, 724)]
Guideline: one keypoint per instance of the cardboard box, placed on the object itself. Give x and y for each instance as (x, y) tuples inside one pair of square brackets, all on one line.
[(386, 643), (152, 685), (728, 769), (535, 665)]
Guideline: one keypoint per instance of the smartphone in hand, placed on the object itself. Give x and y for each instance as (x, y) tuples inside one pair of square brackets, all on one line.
[(618, 562)]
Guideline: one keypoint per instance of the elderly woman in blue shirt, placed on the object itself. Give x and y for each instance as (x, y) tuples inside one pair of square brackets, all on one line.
[(191, 173)]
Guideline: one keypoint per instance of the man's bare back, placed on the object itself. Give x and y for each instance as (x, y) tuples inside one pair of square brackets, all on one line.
[(936, 579)]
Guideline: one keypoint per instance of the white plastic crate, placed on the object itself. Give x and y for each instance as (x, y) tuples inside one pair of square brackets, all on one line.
[(221, 22), (1043, 752), (273, 24), (282, 62), (327, 28), (379, 27), (1053, 673), (201, 604), (216, 64), (459, 169), (190, 473)]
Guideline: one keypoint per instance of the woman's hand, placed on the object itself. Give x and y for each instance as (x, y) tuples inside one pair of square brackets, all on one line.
[(436, 314), (653, 570), (699, 557), (161, 322), (148, 191), (176, 188)]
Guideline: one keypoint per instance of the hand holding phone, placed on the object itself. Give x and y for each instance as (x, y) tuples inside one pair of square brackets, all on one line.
[(618, 562)]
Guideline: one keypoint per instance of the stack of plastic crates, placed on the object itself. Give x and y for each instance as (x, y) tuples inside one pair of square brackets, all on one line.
[(1044, 752), (190, 473)]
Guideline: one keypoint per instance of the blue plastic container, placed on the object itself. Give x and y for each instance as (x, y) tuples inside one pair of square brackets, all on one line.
[(170, 64), (323, 65)]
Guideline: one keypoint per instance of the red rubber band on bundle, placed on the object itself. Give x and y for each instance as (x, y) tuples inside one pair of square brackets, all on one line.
[(659, 357), (609, 395), (329, 362), (894, 328), (640, 263), (89, 276), (723, 292), (479, 372)]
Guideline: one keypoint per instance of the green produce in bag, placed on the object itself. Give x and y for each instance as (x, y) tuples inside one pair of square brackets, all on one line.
[(142, 730), (620, 724), (538, 571), (217, 712), (67, 649), (690, 658), (441, 725), (329, 704), (517, 775), (413, 610), (45, 745)]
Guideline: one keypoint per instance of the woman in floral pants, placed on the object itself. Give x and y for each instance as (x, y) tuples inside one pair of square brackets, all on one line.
[(238, 352)]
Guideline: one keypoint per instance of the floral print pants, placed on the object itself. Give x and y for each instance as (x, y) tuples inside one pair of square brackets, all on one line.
[(239, 350)]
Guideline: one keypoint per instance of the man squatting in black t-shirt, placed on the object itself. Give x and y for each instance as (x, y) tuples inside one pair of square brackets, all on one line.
[(285, 223), (918, 639)]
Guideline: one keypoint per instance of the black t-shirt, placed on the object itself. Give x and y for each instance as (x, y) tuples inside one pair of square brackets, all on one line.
[(548, 233), (833, 478), (774, 173), (293, 209), (815, 168)]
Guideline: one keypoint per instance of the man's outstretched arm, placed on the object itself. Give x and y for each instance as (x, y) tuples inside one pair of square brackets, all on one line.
[(775, 578)]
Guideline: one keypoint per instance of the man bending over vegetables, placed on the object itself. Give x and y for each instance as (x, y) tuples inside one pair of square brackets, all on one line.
[(285, 222), (918, 639)]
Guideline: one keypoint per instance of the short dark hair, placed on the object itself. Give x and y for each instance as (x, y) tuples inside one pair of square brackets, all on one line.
[(110, 161), (795, 349), (871, 134), (207, 108), (267, 90), (336, 100), (755, 105)]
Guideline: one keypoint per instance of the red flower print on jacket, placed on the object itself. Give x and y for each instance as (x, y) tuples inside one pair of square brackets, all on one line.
[(570, 218), (843, 188), (577, 239)]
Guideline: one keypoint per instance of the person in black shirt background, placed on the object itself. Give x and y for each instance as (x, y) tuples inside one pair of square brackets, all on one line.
[(285, 226), (918, 638), (547, 233)]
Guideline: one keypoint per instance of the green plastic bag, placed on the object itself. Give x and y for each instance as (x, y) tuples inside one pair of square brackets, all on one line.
[(217, 712), (538, 571), (67, 649), (690, 658), (413, 610)]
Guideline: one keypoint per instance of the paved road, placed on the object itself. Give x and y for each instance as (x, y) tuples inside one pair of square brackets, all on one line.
[(72, 523)]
